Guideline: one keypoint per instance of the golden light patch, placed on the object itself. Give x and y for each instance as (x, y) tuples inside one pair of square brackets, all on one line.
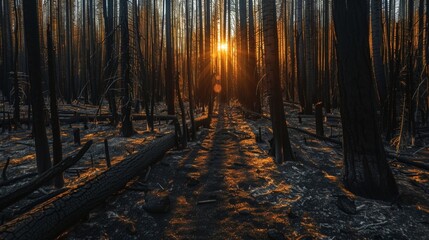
[(217, 88), (222, 47)]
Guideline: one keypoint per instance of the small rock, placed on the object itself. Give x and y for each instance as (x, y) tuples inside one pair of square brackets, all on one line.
[(157, 202), (346, 205), (275, 235)]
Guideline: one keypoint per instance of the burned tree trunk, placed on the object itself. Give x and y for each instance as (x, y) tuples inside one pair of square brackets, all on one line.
[(30, 187), (32, 41), (50, 219), (17, 98), (169, 75), (283, 150), (110, 62), (55, 122), (377, 37), (127, 125), (189, 74), (366, 170)]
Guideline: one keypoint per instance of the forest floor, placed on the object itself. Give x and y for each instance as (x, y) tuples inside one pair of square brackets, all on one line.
[(225, 185)]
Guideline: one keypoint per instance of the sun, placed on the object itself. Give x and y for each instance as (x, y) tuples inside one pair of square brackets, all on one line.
[(222, 47)]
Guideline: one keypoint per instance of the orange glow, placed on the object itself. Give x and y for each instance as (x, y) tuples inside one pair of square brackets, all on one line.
[(217, 88), (222, 47)]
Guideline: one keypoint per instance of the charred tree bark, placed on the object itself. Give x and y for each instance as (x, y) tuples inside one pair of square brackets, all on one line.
[(70, 91), (110, 62), (32, 41), (6, 48), (283, 150), (30, 187), (169, 74), (17, 98), (50, 219), (127, 125), (377, 39), (55, 122), (208, 52), (189, 70), (310, 66), (300, 56), (243, 67), (254, 93), (366, 170), (184, 134)]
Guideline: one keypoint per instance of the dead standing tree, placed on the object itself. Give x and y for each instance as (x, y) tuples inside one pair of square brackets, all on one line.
[(32, 41), (127, 125), (367, 172), (283, 150)]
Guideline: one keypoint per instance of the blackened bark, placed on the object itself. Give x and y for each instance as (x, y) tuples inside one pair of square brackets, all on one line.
[(169, 75), (32, 41), (17, 98), (377, 39), (110, 62), (254, 94), (283, 150), (208, 69), (182, 111), (127, 125), (57, 147), (189, 70), (243, 67), (366, 171), (51, 218)]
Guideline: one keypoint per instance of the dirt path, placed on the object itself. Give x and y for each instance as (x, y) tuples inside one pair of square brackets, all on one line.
[(227, 168), (225, 187)]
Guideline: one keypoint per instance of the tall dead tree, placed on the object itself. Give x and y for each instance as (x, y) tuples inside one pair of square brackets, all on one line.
[(300, 55), (32, 41), (169, 74), (55, 122), (110, 61), (189, 66), (310, 66), (377, 58), (367, 172), (253, 77), (208, 56), (6, 48), (127, 125), (243, 68), (283, 150), (70, 91), (16, 87)]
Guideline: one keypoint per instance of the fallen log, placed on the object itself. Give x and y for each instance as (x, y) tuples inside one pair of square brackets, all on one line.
[(100, 118), (302, 116), (327, 139), (401, 159), (36, 202), (93, 118), (408, 161), (51, 218), (17, 179), (31, 186)]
